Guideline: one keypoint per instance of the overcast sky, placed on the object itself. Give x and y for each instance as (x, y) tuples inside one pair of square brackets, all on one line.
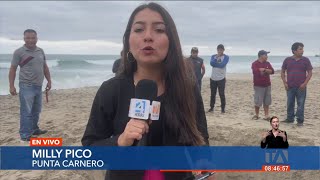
[(75, 27)]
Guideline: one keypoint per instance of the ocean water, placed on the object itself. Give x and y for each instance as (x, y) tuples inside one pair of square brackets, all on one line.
[(73, 71)]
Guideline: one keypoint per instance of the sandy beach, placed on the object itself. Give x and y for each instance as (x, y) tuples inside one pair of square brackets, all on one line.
[(67, 113)]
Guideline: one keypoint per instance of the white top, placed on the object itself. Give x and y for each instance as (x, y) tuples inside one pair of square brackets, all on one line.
[(218, 73)]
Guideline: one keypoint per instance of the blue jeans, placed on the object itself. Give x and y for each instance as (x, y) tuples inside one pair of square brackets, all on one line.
[(30, 108), (292, 95)]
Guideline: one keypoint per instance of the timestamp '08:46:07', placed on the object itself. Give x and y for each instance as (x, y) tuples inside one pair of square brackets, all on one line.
[(276, 168)]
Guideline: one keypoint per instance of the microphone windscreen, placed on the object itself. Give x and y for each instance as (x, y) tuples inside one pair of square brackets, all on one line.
[(146, 89)]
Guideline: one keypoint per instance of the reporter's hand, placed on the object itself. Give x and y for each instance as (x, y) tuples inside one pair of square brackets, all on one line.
[(134, 131)]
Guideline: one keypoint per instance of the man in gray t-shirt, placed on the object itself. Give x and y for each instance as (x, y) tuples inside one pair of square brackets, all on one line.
[(33, 68)]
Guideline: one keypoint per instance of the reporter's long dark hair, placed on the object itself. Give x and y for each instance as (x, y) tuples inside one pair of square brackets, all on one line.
[(179, 87)]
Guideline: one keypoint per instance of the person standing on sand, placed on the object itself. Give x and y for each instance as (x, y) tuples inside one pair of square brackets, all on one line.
[(198, 66), (33, 68), (261, 70), (218, 77), (152, 51), (299, 73)]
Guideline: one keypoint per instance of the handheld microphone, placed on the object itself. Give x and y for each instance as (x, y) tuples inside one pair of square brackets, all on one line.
[(141, 108)]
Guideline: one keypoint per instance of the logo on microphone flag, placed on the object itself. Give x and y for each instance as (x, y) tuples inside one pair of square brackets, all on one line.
[(139, 108), (155, 110)]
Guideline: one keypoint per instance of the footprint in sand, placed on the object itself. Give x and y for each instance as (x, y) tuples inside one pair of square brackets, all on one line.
[(49, 122), (10, 139), (226, 128)]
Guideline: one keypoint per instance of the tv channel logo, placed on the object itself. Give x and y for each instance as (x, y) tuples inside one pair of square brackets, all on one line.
[(140, 107), (277, 156)]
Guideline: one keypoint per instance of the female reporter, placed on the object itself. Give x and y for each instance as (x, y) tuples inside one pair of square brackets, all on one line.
[(275, 138), (152, 50)]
